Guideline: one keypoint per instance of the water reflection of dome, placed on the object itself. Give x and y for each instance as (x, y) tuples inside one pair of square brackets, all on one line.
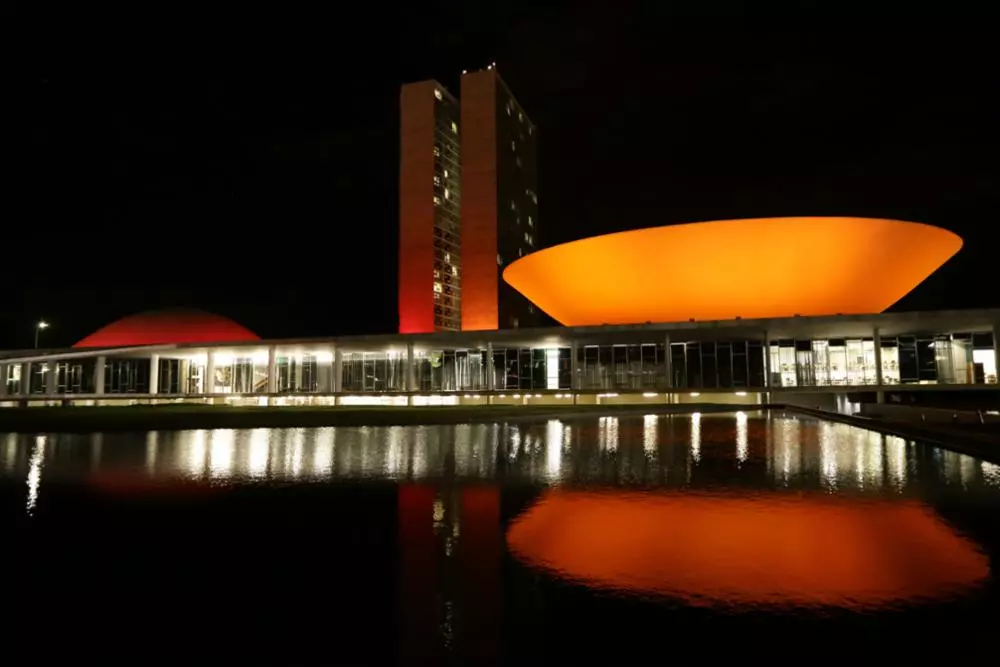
[(808, 550)]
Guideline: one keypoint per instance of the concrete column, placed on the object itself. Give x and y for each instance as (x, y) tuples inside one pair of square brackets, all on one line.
[(879, 394), (208, 383), (668, 363), (26, 378), (298, 374), (272, 369), (411, 369), (767, 362), (491, 381), (338, 370), (50, 378), (574, 377), (996, 349), (3, 380), (154, 374), (99, 364)]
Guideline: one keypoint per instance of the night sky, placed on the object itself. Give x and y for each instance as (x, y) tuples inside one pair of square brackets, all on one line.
[(260, 183)]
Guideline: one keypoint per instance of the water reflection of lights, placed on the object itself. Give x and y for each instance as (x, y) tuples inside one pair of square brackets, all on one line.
[(221, 453), (991, 473), (787, 435), (152, 445), (259, 457), (197, 452), (734, 550), (607, 438), (10, 451), (741, 437), (553, 448), (323, 451), (649, 435), (35, 472), (696, 436), (828, 454), (895, 449)]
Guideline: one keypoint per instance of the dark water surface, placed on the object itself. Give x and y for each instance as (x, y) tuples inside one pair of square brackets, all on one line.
[(655, 540)]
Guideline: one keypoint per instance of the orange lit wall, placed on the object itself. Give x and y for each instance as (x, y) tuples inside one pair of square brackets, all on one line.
[(759, 268), (777, 549), (480, 310), (416, 208)]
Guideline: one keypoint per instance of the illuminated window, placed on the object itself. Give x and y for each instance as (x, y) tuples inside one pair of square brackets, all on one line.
[(454, 127), (527, 238), (447, 193), (454, 270), (513, 145), (520, 117), (437, 200), (437, 274), (437, 94), (531, 223), (437, 180), (447, 258), (499, 260), (510, 108), (513, 206), (520, 252), (437, 151), (446, 173), (437, 287)]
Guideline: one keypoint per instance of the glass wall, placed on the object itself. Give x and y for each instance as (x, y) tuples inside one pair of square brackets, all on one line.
[(374, 371), (12, 378), (532, 368), (909, 359)]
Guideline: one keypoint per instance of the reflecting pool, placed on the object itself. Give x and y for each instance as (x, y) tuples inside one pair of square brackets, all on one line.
[(629, 539)]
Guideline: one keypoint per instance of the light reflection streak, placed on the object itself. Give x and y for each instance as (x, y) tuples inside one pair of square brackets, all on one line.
[(742, 446), (394, 459), (222, 450), (608, 434), (10, 451), (35, 472), (197, 453), (828, 455), (553, 448), (152, 444), (991, 473), (649, 435), (895, 449), (323, 452), (259, 457), (696, 436)]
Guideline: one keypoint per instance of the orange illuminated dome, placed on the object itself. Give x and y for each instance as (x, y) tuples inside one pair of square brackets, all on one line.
[(812, 550), (757, 268), (164, 327)]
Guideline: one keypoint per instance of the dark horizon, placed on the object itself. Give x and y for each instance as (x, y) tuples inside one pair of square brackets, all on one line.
[(268, 194)]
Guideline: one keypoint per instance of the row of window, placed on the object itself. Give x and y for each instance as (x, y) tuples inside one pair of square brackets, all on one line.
[(736, 364)]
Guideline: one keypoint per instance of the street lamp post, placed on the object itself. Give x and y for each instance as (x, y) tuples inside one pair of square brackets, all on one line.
[(42, 324)]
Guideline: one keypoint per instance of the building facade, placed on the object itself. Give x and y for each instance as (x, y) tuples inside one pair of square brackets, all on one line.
[(723, 361), (430, 295), (468, 205), (500, 210)]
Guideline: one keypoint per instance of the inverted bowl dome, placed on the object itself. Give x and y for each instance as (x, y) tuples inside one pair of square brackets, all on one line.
[(754, 268)]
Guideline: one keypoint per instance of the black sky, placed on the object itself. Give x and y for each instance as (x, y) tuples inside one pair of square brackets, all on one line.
[(260, 182)]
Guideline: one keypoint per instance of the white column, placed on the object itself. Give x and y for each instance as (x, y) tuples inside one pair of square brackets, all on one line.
[(668, 362), (208, 383), (574, 372), (996, 350), (877, 340), (338, 370), (272, 369), (154, 374), (298, 373), (491, 381), (767, 362), (50, 378), (411, 368), (26, 378), (99, 364)]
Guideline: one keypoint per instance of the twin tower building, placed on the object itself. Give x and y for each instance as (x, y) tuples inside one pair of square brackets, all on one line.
[(468, 205)]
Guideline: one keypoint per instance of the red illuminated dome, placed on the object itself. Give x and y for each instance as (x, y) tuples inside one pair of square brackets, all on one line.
[(164, 327)]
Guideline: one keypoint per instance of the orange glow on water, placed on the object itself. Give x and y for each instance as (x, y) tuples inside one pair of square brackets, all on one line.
[(757, 268), (778, 550)]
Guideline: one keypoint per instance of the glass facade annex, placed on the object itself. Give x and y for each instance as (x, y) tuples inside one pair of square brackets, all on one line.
[(736, 364)]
